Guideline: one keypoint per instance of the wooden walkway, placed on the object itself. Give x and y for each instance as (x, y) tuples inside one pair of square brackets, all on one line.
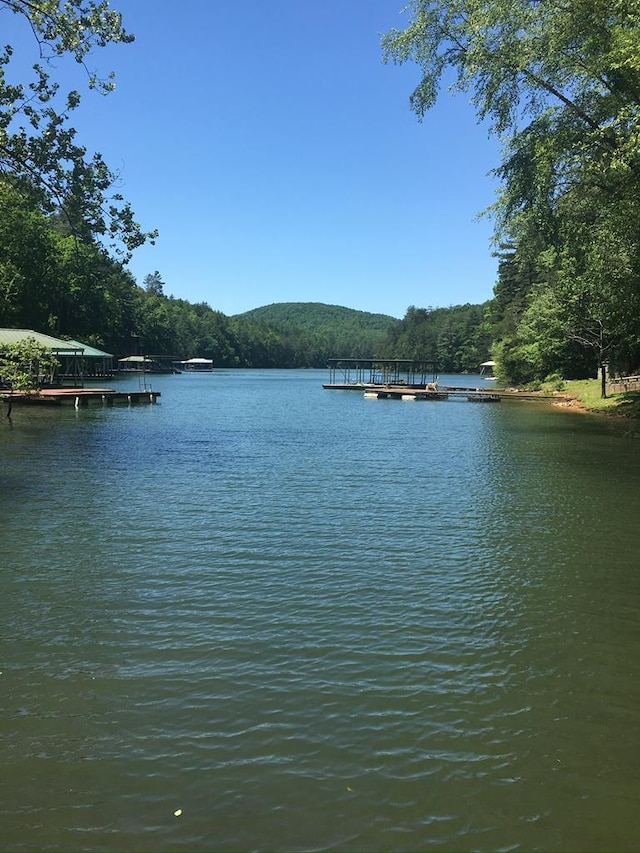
[(444, 392), (404, 392), (79, 396)]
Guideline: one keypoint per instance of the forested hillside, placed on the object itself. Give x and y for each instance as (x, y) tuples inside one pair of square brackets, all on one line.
[(314, 332), (318, 316), (457, 338), (61, 283)]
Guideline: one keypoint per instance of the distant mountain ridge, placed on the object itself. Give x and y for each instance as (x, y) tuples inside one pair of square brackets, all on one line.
[(313, 316), (308, 334), (312, 332)]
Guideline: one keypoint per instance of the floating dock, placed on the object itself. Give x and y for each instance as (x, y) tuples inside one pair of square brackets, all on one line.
[(79, 396), (405, 392), (432, 391)]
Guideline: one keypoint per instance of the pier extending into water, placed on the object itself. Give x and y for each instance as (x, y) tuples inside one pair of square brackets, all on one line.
[(79, 396), (432, 391), (414, 379)]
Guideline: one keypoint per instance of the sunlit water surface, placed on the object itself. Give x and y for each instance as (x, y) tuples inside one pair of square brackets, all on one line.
[(261, 615)]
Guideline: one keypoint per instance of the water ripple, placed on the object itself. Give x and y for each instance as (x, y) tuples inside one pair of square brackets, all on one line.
[(309, 623)]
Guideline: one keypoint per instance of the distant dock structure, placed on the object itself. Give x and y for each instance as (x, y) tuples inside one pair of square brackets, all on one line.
[(354, 374), (195, 365)]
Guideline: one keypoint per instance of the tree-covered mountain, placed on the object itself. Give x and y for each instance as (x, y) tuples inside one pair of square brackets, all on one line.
[(313, 316), (312, 332)]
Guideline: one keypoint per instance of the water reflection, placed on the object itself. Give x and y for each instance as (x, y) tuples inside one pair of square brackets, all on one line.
[(310, 621)]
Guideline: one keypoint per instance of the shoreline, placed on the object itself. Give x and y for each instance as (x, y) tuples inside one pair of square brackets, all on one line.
[(583, 395)]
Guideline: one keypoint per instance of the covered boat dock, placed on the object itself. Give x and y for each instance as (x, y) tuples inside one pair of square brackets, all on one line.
[(354, 374), (69, 354), (195, 365)]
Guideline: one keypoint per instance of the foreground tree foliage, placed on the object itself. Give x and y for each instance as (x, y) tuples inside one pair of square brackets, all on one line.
[(38, 147), (24, 366), (560, 84)]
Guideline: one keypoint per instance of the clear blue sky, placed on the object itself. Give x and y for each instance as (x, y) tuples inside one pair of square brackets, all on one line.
[(279, 159)]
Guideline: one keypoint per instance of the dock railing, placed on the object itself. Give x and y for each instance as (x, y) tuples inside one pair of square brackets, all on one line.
[(623, 383)]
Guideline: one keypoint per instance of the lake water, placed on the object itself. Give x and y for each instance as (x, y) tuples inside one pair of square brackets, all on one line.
[(261, 615)]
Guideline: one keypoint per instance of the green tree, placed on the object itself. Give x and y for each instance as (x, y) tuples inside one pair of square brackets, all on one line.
[(28, 265), (153, 284), (521, 59), (52, 282), (38, 147), (457, 338), (560, 84), (24, 366)]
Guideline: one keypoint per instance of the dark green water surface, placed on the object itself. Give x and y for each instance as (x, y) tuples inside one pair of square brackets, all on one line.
[(312, 621)]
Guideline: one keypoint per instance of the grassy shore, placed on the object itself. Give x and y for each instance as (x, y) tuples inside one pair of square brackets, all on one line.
[(587, 394)]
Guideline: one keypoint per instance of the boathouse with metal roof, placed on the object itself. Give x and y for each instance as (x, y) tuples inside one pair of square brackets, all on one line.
[(76, 359)]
